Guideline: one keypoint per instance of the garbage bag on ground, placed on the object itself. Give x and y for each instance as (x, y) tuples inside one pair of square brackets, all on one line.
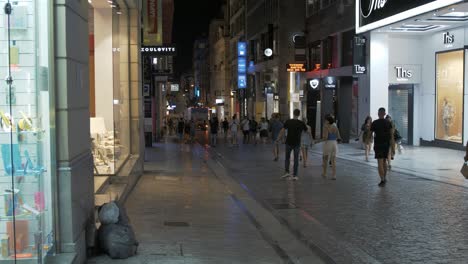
[(118, 241), (109, 213)]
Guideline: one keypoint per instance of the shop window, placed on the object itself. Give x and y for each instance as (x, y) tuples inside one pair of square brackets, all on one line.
[(110, 128), (27, 147), (314, 56), (449, 96), (347, 48)]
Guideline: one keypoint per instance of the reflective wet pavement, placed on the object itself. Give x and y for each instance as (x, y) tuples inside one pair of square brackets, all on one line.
[(240, 211)]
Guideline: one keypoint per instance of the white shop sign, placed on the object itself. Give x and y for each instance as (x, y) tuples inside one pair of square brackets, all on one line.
[(404, 73)]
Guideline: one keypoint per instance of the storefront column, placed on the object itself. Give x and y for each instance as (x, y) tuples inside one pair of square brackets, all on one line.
[(74, 183), (379, 73), (136, 97)]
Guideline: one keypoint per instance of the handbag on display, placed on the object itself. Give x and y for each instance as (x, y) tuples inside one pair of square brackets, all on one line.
[(464, 170)]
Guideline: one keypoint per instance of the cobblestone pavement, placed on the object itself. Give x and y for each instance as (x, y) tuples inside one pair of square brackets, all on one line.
[(411, 220), (179, 189)]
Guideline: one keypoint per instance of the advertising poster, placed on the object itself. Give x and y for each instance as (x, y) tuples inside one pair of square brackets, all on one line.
[(152, 22)]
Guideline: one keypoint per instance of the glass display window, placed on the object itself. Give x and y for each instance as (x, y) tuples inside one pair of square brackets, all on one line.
[(26, 142), (449, 95), (109, 88)]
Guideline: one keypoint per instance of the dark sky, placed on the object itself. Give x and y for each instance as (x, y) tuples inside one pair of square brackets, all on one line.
[(191, 20)]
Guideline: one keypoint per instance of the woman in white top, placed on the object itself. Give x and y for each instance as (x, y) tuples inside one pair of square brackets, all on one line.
[(306, 141), (264, 130), (234, 127), (331, 136)]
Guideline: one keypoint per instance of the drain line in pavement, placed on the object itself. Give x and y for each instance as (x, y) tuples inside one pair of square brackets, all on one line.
[(280, 251)]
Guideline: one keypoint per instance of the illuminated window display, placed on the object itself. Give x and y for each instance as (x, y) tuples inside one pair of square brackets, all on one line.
[(449, 94), (26, 145), (110, 88)]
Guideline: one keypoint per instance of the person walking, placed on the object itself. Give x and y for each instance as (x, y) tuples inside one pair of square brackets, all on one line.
[(180, 129), (331, 135), (234, 127), (245, 124), (264, 130), (294, 128), (253, 130), (192, 130), (306, 142), (214, 125), (225, 125), (275, 128), (382, 130), (367, 136)]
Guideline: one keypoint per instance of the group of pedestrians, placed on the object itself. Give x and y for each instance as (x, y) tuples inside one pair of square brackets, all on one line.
[(382, 133), (186, 130)]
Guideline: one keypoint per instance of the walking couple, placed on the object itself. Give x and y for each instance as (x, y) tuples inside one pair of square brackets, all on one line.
[(298, 138)]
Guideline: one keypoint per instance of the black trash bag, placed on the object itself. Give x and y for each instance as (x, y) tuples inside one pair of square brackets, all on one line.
[(118, 241), (109, 213), (123, 216)]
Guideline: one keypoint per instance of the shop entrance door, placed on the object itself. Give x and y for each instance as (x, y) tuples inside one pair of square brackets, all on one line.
[(400, 104)]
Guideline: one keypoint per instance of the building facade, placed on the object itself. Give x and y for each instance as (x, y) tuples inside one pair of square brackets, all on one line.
[(236, 21), (220, 102), (331, 86), (271, 29), (416, 55), (201, 70)]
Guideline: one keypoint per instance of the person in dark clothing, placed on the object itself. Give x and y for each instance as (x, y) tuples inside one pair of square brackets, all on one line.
[(225, 128), (295, 127), (214, 125), (180, 129), (382, 130)]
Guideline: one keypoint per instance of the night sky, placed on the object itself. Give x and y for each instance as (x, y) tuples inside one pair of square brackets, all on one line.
[(191, 20)]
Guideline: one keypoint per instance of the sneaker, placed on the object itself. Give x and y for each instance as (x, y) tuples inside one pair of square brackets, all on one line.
[(333, 179), (287, 175), (294, 178), (382, 184)]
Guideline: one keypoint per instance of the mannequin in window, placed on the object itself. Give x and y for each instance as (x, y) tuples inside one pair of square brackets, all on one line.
[(448, 113)]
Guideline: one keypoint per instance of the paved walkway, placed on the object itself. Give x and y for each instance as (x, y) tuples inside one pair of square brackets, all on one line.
[(185, 212), (416, 218), (433, 163)]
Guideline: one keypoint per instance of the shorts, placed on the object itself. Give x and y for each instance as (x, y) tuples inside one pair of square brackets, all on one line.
[(263, 133), (246, 132), (381, 151), (305, 146)]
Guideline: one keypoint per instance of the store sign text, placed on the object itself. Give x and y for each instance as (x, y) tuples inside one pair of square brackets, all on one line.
[(241, 65), (330, 82), (359, 69), (373, 5), (405, 74), (449, 39), (161, 49), (296, 67)]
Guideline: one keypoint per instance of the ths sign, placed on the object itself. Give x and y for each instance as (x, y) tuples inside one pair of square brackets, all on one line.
[(449, 38), (296, 67), (404, 74)]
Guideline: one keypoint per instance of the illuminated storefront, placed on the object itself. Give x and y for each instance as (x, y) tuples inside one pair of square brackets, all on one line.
[(109, 86), (417, 67)]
